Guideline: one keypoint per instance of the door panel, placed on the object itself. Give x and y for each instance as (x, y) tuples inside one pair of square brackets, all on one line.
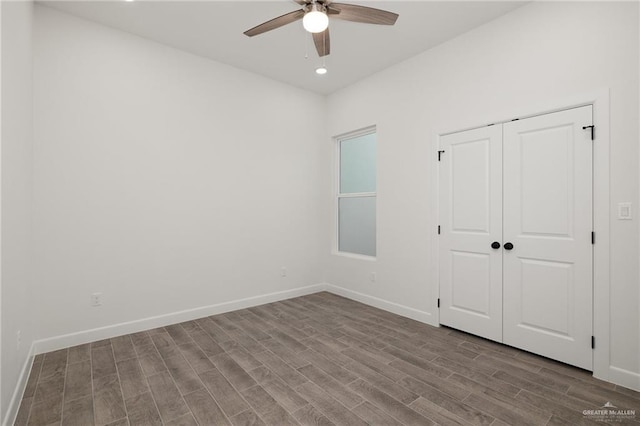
[(546, 303), (544, 194), (471, 219), (547, 204), (470, 186), (471, 279)]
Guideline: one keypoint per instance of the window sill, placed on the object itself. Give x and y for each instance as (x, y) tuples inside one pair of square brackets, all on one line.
[(355, 256)]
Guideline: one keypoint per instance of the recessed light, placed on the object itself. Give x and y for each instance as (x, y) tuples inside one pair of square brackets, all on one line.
[(321, 70)]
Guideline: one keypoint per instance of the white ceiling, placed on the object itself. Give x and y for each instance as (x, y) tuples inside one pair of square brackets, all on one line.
[(214, 29)]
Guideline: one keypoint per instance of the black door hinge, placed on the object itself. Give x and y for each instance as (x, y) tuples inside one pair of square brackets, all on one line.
[(593, 342), (440, 155), (438, 229), (593, 131), (593, 238), (438, 302)]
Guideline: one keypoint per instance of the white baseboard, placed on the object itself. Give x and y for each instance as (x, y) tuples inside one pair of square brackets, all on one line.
[(107, 332), (396, 308), (16, 398), (626, 378)]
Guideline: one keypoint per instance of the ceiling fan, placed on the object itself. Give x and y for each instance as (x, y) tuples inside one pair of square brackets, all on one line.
[(315, 16)]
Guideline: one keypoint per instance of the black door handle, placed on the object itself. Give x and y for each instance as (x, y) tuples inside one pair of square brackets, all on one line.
[(508, 246), (495, 245)]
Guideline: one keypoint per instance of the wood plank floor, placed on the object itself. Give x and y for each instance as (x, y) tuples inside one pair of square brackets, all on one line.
[(314, 360)]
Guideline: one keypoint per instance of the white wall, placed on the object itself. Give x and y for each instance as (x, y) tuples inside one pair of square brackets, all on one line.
[(170, 182), (16, 167), (536, 55), (164, 180)]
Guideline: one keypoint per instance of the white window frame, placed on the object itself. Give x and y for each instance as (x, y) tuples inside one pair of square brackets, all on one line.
[(338, 195)]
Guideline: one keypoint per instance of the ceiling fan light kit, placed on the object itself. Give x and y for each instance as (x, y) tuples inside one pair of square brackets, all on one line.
[(316, 19), (315, 16)]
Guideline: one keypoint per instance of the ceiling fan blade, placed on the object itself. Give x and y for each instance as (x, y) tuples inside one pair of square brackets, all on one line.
[(364, 14), (275, 23), (300, 2), (322, 42)]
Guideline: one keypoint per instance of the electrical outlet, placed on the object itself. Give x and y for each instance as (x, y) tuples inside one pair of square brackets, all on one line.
[(283, 272), (373, 277), (96, 299), (624, 211)]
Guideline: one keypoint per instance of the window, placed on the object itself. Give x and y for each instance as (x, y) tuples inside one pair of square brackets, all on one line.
[(356, 195)]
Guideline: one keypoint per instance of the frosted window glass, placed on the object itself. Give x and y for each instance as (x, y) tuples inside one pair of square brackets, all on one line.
[(358, 164), (357, 219)]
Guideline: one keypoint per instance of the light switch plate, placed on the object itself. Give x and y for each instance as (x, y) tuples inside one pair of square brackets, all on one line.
[(624, 211)]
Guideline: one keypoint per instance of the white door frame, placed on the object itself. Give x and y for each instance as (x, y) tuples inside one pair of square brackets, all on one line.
[(601, 217)]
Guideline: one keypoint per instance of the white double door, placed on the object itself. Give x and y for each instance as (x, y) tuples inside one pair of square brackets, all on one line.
[(515, 247)]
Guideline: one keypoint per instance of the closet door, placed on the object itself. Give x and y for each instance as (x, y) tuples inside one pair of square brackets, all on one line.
[(470, 221), (548, 220)]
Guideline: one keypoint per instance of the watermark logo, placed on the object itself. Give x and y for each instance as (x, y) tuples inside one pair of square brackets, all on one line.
[(609, 413)]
